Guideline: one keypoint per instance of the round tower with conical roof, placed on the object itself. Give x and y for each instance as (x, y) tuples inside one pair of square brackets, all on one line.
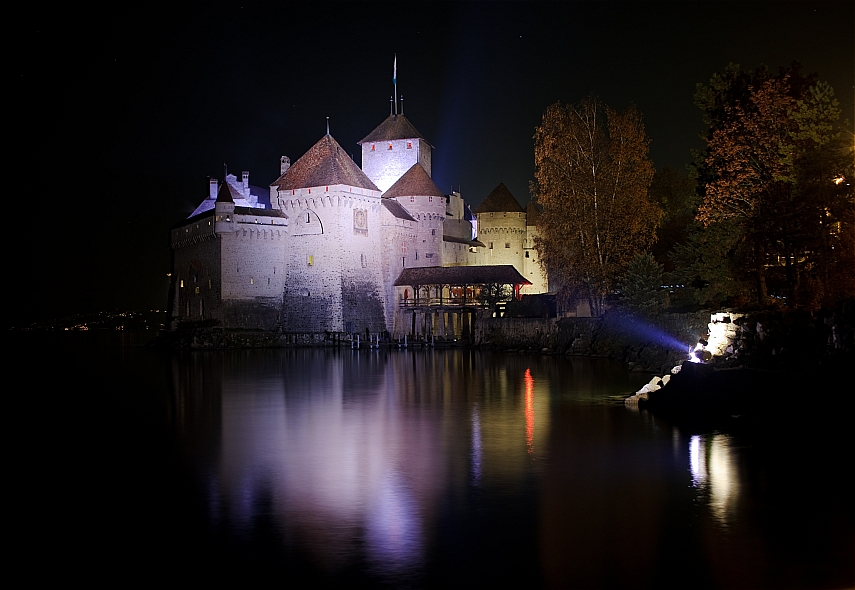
[(422, 199)]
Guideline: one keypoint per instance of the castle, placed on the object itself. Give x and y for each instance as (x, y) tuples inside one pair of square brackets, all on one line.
[(334, 248)]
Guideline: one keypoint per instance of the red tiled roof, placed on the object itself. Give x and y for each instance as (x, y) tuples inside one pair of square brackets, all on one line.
[(324, 164), (394, 127), (415, 182), (500, 199), (396, 209)]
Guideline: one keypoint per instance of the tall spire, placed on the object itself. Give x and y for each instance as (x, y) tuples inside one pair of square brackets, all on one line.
[(395, 81), (328, 125)]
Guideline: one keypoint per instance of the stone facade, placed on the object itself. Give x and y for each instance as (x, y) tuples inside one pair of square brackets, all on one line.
[(320, 250)]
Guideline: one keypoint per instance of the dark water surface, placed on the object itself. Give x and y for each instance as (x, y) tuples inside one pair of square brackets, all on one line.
[(410, 469)]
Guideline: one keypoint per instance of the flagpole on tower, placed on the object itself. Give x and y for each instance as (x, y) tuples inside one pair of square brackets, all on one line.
[(395, 81)]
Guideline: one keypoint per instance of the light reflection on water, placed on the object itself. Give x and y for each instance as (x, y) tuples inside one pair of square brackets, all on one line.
[(713, 468), (426, 468)]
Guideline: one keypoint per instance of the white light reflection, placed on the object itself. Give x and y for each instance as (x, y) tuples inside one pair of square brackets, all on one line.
[(476, 446), (394, 531), (697, 461), (714, 473)]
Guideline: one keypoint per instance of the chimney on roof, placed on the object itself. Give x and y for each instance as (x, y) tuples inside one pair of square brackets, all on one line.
[(245, 176), (212, 188), (284, 164)]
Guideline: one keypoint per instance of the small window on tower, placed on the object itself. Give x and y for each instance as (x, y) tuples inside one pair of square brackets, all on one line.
[(412, 199), (507, 244), (526, 254), (390, 145), (491, 245), (409, 145), (372, 147)]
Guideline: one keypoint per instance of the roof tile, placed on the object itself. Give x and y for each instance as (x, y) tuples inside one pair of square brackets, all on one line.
[(324, 164), (500, 199), (415, 182), (394, 127)]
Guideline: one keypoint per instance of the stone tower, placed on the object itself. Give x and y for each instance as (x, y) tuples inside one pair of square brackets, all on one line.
[(334, 279), (392, 149)]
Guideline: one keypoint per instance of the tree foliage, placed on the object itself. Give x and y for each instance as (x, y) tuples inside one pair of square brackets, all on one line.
[(641, 285), (708, 264), (592, 173), (777, 165), (674, 192)]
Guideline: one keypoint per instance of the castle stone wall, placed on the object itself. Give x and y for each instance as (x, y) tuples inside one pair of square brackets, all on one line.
[(384, 165)]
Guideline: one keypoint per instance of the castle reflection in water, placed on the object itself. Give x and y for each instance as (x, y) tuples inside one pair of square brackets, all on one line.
[(418, 467)]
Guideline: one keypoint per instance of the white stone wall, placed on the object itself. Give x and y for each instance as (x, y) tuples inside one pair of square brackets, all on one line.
[(253, 260), (399, 237), (532, 270), (196, 272), (506, 233), (455, 254), (384, 166), (334, 278), (429, 212)]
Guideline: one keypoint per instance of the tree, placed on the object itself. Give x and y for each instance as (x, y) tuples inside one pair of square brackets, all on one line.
[(707, 265), (592, 173), (773, 154), (674, 191), (641, 285)]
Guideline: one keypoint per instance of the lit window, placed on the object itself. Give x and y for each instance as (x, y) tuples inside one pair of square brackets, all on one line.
[(390, 145), (197, 290), (251, 281), (372, 147), (409, 145), (182, 283)]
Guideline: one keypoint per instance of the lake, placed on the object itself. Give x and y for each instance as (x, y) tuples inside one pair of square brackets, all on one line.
[(412, 468)]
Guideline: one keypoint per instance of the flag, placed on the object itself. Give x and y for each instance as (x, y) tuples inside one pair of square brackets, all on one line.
[(395, 71)]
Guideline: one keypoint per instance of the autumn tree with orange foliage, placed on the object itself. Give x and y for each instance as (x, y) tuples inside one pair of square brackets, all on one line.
[(592, 172), (777, 165)]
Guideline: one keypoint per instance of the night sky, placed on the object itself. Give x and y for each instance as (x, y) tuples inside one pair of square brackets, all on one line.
[(121, 114)]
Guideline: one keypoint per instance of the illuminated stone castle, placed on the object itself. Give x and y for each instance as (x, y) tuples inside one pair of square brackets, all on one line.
[(324, 249)]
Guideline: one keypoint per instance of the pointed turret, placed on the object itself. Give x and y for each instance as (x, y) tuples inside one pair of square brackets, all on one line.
[(500, 200)]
